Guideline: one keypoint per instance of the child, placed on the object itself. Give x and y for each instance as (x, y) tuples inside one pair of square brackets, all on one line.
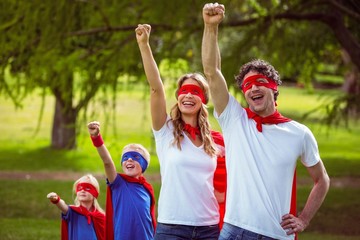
[(85, 219), (130, 201)]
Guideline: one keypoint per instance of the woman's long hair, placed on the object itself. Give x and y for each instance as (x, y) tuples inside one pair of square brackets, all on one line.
[(92, 180), (202, 118)]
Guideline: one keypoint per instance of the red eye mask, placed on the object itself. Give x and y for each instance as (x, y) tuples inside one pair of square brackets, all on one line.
[(88, 188), (194, 90), (253, 80)]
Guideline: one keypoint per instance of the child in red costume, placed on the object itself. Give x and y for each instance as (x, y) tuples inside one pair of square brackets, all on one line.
[(130, 201), (85, 219)]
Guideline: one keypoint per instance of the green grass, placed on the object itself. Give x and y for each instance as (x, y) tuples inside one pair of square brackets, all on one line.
[(29, 228), (339, 214), (27, 214)]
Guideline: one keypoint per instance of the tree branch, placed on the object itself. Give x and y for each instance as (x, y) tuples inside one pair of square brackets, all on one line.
[(117, 29), (345, 10)]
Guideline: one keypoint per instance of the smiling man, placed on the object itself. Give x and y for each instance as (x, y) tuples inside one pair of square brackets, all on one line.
[(262, 148)]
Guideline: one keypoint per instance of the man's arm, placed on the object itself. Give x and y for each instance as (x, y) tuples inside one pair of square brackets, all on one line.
[(313, 203), (213, 14)]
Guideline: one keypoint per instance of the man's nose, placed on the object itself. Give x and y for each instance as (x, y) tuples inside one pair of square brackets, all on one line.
[(254, 87)]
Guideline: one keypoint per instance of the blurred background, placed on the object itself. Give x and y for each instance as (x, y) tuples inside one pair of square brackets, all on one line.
[(66, 63)]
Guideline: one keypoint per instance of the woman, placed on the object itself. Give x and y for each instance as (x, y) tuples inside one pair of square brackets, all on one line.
[(187, 206)]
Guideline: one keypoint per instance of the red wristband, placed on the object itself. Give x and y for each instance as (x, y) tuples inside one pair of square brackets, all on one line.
[(56, 201), (97, 140)]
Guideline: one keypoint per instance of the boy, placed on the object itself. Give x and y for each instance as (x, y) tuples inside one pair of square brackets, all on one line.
[(130, 201)]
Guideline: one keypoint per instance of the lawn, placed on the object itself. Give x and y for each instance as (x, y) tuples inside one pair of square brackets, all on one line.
[(27, 214)]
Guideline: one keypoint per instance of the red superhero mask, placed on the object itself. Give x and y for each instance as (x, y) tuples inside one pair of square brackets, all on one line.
[(258, 80), (194, 90), (88, 188)]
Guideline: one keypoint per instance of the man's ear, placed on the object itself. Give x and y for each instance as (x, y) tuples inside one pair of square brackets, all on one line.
[(276, 94)]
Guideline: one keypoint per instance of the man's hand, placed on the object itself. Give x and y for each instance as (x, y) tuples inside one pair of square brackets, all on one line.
[(94, 128), (143, 33), (213, 13), (292, 224)]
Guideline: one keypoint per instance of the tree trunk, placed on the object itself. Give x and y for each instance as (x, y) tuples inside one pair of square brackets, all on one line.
[(63, 132), (351, 86), (344, 36)]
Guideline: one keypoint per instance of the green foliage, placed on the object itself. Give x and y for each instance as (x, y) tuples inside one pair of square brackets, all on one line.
[(75, 49)]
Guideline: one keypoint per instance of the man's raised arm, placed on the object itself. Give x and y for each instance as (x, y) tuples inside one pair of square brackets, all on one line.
[(213, 14)]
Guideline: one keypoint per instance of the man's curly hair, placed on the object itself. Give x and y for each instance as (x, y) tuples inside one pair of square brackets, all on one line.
[(260, 66)]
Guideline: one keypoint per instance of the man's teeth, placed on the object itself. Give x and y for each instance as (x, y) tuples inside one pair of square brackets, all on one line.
[(256, 97)]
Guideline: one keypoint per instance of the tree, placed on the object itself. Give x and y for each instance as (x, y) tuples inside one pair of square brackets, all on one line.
[(297, 36), (76, 48), (68, 47)]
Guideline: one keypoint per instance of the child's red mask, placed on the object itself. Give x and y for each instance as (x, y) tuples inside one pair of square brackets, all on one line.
[(194, 90), (88, 188)]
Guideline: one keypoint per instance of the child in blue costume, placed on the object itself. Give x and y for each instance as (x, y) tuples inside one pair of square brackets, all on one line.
[(85, 219), (130, 201)]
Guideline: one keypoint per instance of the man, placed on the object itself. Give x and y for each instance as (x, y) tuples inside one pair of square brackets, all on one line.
[(262, 148)]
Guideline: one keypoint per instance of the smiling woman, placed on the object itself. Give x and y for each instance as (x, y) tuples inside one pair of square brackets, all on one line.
[(188, 155)]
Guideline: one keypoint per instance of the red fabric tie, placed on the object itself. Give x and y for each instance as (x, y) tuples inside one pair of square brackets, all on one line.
[(193, 131), (272, 119)]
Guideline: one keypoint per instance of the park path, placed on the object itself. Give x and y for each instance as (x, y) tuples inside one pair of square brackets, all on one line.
[(337, 182), (57, 175)]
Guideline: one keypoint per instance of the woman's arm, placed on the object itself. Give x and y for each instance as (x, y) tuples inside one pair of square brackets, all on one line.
[(157, 94)]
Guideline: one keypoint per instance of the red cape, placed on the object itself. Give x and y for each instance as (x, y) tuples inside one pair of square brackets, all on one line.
[(96, 217), (293, 200), (109, 228), (220, 175)]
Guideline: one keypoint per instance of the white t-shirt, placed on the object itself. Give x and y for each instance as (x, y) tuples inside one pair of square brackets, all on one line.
[(187, 192), (260, 169)]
